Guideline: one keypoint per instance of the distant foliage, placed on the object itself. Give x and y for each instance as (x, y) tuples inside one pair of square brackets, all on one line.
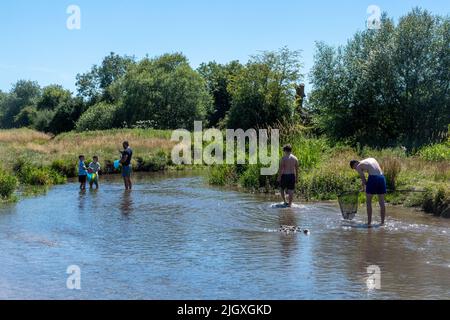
[(66, 116), (97, 85), (166, 91), (98, 117), (218, 78), (386, 87), (42, 120), (24, 94), (436, 152), (263, 92)]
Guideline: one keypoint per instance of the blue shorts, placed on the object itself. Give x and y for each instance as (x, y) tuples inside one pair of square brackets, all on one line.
[(376, 185), (126, 171)]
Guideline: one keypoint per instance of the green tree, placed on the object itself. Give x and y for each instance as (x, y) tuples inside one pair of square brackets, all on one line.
[(166, 91), (52, 97), (67, 115), (218, 77), (42, 119), (263, 92), (94, 85), (387, 86), (100, 116), (23, 94), (25, 117)]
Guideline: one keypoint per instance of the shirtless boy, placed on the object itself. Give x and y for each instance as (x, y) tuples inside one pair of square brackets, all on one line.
[(374, 185), (288, 174)]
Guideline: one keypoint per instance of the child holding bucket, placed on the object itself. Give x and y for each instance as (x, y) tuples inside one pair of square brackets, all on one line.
[(94, 169)]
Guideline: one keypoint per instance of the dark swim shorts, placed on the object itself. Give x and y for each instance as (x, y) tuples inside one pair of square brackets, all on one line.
[(376, 185), (126, 171), (288, 182), (82, 179)]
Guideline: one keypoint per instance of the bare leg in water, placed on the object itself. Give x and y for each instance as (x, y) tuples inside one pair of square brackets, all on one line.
[(369, 209), (128, 184), (382, 208), (291, 197), (283, 196)]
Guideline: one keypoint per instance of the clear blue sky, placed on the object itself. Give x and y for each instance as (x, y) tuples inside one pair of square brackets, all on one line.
[(36, 45)]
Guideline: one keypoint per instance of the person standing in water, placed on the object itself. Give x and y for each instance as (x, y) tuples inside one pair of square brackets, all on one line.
[(127, 154), (82, 172), (94, 168), (374, 185), (288, 174)]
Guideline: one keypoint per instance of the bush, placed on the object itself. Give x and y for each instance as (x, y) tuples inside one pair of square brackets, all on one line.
[(64, 167), (436, 201), (221, 175), (30, 174), (326, 184), (250, 179), (155, 163), (42, 120), (309, 151), (437, 152), (144, 124), (8, 184), (100, 116), (391, 168)]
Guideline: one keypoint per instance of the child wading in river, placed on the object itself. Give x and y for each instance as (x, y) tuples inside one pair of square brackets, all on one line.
[(94, 169), (82, 173)]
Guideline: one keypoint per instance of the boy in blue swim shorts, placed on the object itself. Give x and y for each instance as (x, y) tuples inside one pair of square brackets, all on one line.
[(374, 185)]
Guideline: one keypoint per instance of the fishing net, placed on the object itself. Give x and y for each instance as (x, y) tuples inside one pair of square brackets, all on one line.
[(349, 204)]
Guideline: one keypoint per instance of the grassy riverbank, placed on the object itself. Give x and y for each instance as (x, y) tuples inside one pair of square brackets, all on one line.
[(325, 172), (32, 158)]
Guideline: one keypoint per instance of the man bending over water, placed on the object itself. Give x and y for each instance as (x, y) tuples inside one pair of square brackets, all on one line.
[(375, 185), (288, 174)]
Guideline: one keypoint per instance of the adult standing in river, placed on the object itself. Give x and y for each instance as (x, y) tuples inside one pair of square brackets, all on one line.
[(127, 155), (374, 185)]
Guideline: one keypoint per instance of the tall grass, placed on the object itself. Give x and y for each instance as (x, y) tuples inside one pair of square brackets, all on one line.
[(436, 152), (8, 184), (30, 174), (325, 173), (65, 148), (21, 136), (391, 167)]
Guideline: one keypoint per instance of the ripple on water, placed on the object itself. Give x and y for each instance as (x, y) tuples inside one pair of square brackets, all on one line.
[(177, 238)]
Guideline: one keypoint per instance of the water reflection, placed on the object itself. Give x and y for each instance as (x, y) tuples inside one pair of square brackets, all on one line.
[(181, 239), (288, 242), (126, 203), (82, 199)]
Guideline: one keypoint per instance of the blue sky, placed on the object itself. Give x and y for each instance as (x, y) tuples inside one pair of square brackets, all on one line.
[(36, 45)]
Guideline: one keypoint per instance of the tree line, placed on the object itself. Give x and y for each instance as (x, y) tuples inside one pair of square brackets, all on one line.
[(384, 87)]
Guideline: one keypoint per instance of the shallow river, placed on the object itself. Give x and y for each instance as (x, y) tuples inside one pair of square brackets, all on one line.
[(175, 237)]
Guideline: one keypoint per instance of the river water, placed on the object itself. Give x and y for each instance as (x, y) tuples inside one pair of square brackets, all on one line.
[(175, 237)]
